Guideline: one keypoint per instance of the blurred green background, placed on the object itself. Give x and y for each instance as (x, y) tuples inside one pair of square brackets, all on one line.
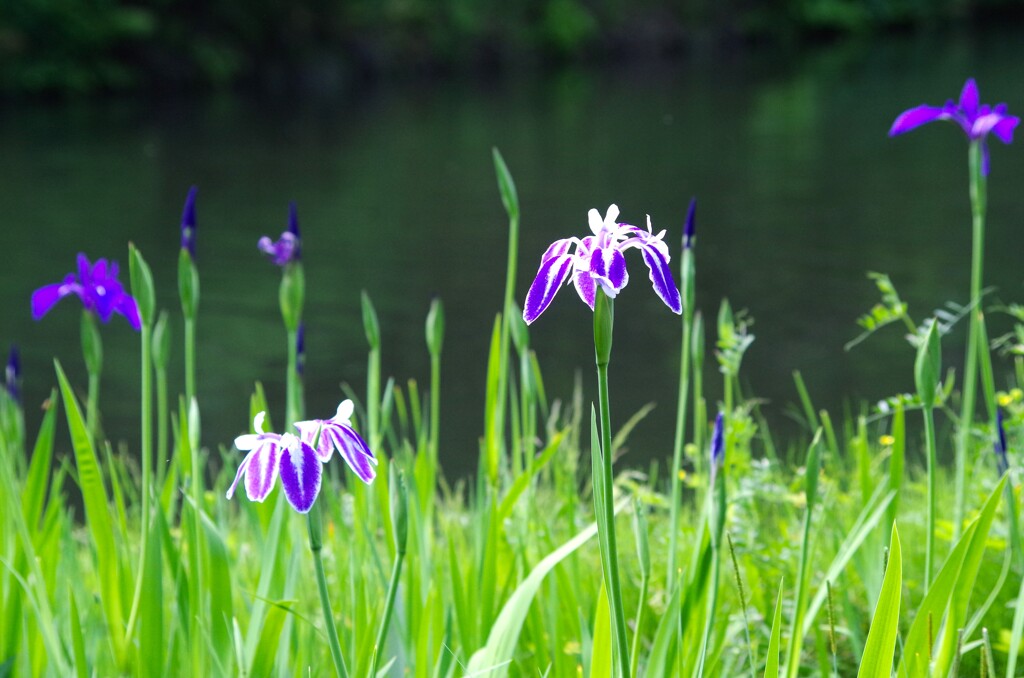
[(85, 46)]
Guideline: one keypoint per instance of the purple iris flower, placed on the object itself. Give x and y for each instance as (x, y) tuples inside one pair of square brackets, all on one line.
[(12, 374), (337, 433), (598, 261), (98, 288), (288, 247), (1001, 447), (188, 222), (295, 460), (976, 120)]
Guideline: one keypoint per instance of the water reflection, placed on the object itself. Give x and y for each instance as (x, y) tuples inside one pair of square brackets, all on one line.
[(800, 194)]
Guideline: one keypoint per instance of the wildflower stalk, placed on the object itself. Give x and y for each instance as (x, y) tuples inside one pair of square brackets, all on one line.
[(603, 324), (926, 376), (510, 200), (315, 524), (687, 278), (161, 354), (976, 348), (716, 524), (400, 520), (92, 352), (644, 556), (435, 341), (291, 297), (371, 327), (796, 634), (188, 291)]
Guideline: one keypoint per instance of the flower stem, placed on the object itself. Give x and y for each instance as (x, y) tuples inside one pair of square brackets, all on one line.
[(315, 525), (293, 391), (190, 359), (677, 448), (976, 333), (929, 432), (92, 352), (389, 606), (603, 322)]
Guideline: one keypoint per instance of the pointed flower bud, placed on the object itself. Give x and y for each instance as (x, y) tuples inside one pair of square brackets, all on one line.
[(718, 444), (928, 365), (188, 222), (1001, 447), (12, 374), (691, 225)]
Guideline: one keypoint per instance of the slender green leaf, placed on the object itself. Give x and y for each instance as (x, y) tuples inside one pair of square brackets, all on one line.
[(771, 666), (34, 493), (601, 648), (881, 644)]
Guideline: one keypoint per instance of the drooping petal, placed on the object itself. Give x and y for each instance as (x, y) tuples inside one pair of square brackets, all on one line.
[(550, 277), (661, 278), (354, 450), (969, 98), (608, 267), (617, 275), (238, 476), (557, 249), (586, 288), (301, 475), (261, 473), (45, 297), (248, 441), (1004, 128), (915, 117), (127, 306)]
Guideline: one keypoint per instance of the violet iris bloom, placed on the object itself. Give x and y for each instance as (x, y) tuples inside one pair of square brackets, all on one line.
[(337, 433), (288, 247), (717, 444), (597, 261), (294, 459), (98, 288), (689, 231), (188, 222), (976, 120)]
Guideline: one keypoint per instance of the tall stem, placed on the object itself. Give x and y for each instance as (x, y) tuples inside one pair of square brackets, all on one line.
[(315, 525), (92, 407), (190, 359), (677, 449), (92, 352), (292, 391), (147, 433), (435, 404), (929, 556), (716, 565), (161, 421), (389, 606), (970, 376), (603, 324)]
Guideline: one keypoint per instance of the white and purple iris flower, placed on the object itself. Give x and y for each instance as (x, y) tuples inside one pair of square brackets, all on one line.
[(976, 120), (287, 248), (598, 261), (98, 288), (294, 459)]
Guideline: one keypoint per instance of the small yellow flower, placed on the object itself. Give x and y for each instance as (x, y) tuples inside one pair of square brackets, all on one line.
[(1016, 393), (1005, 399), (887, 440), (682, 474)]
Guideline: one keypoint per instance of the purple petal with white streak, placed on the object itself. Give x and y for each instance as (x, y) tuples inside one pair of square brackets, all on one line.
[(355, 452), (307, 433), (557, 249), (301, 475), (127, 306), (915, 117), (586, 288), (969, 98), (661, 278), (261, 472), (1004, 128), (550, 277), (45, 297), (238, 476)]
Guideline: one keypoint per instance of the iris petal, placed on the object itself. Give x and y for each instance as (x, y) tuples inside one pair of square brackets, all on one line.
[(661, 278), (1004, 128), (969, 98), (354, 451), (550, 277), (238, 476), (261, 473), (301, 475), (586, 288), (915, 117), (45, 297)]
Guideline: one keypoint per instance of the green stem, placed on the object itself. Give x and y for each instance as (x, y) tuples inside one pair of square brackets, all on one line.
[(716, 565), (978, 199), (603, 323), (498, 434), (435, 404), (929, 555), (92, 407), (161, 422), (641, 608), (190, 359), (796, 634), (315, 525), (389, 606), (373, 398), (680, 437), (92, 352), (292, 390)]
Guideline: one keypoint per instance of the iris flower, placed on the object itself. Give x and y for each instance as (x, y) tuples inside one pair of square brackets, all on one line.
[(294, 459), (597, 261), (98, 288), (288, 247), (976, 120), (717, 444)]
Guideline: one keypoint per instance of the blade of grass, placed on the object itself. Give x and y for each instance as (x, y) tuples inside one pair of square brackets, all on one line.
[(881, 644)]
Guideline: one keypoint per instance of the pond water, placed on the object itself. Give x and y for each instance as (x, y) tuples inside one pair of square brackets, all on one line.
[(800, 194)]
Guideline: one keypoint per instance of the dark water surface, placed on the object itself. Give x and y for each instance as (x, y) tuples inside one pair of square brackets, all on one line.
[(800, 194)]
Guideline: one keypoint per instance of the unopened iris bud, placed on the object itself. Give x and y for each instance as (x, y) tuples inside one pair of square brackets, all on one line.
[(12, 374), (142, 284), (300, 349), (691, 226), (435, 326), (188, 222), (1001, 447), (371, 326), (718, 444), (928, 365)]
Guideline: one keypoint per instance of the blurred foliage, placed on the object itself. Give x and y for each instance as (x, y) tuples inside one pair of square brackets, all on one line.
[(84, 46)]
